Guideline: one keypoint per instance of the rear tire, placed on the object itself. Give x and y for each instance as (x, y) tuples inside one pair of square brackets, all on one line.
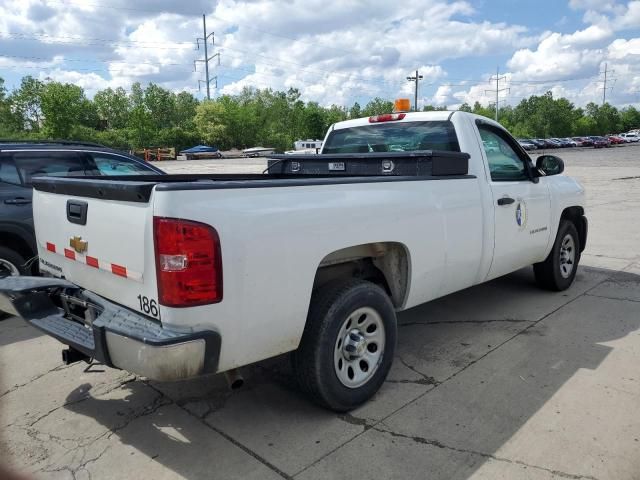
[(11, 263), (558, 271), (348, 344)]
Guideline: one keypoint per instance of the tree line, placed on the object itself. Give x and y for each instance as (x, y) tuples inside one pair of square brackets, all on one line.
[(156, 117)]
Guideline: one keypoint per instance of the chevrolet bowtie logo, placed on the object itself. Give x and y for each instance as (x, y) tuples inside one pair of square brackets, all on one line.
[(78, 244)]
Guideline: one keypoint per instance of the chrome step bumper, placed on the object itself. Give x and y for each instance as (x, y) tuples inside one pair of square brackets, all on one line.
[(114, 335)]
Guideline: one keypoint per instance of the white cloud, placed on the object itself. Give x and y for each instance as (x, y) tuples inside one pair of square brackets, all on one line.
[(557, 56), (591, 4), (335, 52)]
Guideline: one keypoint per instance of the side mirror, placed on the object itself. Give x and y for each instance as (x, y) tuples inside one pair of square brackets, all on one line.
[(550, 165)]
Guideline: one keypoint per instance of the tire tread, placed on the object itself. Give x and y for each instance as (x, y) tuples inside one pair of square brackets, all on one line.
[(545, 272), (304, 358)]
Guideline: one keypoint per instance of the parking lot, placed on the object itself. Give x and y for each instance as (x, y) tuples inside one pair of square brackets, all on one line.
[(502, 380)]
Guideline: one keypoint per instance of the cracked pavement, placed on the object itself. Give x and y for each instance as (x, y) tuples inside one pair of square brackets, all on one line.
[(499, 381)]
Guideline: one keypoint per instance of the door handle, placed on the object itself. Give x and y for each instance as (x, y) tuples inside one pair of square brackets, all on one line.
[(17, 201), (505, 201)]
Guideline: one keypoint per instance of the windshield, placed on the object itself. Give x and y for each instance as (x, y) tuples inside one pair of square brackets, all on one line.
[(393, 137)]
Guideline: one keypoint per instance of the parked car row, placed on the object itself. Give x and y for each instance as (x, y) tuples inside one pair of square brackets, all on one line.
[(590, 141)]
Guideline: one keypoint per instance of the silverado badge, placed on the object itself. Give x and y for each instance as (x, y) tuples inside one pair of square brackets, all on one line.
[(78, 244)]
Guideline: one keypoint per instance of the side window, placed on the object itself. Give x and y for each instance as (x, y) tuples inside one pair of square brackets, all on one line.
[(504, 162), (51, 164), (8, 172), (115, 165)]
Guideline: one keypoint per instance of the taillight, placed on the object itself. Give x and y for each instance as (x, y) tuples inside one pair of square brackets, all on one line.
[(188, 262), (387, 117)]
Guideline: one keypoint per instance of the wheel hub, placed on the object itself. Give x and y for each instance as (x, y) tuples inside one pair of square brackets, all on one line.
[(354, 344), (567, 256), (359, 347)]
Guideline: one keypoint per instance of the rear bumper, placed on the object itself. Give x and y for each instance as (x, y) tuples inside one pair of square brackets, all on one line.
[(114, 335)]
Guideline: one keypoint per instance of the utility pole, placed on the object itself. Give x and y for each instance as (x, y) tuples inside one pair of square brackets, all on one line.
[(604, 88), (498, 90), (207, 58), (416, 79), (607, 79)]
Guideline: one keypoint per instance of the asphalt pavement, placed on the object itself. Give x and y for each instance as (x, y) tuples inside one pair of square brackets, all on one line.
[(500, 381)]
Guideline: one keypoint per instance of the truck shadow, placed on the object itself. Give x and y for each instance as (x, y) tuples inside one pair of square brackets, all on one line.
[(16, 330), (199, 428)]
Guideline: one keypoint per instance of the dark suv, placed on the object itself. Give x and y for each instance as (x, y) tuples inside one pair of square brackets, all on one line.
[(20, 162)]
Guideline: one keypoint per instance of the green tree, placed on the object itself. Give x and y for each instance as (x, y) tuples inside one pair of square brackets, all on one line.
[(62, 106), (544, 116), (161, 105), (185, 110), (140, 125), (113, 107), (606, 117), (377, 106), (26, 103), (355, 111), (629, 118), (478, 109), (315, 123), (210, 117), (8, 123), (336, 114)]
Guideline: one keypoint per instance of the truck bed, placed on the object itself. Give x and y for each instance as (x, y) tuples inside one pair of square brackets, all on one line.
[(282, 171)]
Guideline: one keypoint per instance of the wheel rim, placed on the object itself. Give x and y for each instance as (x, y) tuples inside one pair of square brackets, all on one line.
[(567, 256), (359, 347), (8, 269)]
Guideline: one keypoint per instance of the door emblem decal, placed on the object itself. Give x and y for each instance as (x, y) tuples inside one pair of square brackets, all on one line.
[(78, 244), (521, 214)]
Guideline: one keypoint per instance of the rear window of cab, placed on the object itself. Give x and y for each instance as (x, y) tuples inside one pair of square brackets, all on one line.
[(394, 137)]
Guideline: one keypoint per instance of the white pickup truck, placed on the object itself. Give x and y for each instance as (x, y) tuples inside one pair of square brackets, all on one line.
[(176, 276)]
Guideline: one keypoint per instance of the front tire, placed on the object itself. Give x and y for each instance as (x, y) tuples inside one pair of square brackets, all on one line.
[(348, 344), (558, 271)]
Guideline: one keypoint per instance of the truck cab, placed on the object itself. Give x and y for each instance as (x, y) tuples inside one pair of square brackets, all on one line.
[(517, 198)]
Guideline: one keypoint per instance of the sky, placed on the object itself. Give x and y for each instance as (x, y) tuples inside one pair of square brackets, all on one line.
[(333, 52)]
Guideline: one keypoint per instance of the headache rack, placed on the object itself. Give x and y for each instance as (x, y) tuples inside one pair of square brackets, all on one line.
[(416, 163)]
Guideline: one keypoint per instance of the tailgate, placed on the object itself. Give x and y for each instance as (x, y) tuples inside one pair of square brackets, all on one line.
[(103, 245)]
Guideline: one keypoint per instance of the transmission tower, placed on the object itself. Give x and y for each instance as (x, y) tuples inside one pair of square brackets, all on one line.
[(607, 79), (498, 90), (205, 38)]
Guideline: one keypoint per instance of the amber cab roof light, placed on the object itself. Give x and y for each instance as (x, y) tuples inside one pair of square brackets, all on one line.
[(402, 105)]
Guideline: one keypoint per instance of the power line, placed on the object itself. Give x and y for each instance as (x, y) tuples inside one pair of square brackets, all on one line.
[(217, 16), (61, 59), (371, 89), (87, 41)]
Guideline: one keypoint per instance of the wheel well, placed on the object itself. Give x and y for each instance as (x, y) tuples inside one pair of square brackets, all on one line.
[(383, 263), (576, 216), (17, 244)]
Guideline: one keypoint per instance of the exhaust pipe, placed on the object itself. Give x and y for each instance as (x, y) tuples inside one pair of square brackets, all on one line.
[(234, 379), (71, 355)]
